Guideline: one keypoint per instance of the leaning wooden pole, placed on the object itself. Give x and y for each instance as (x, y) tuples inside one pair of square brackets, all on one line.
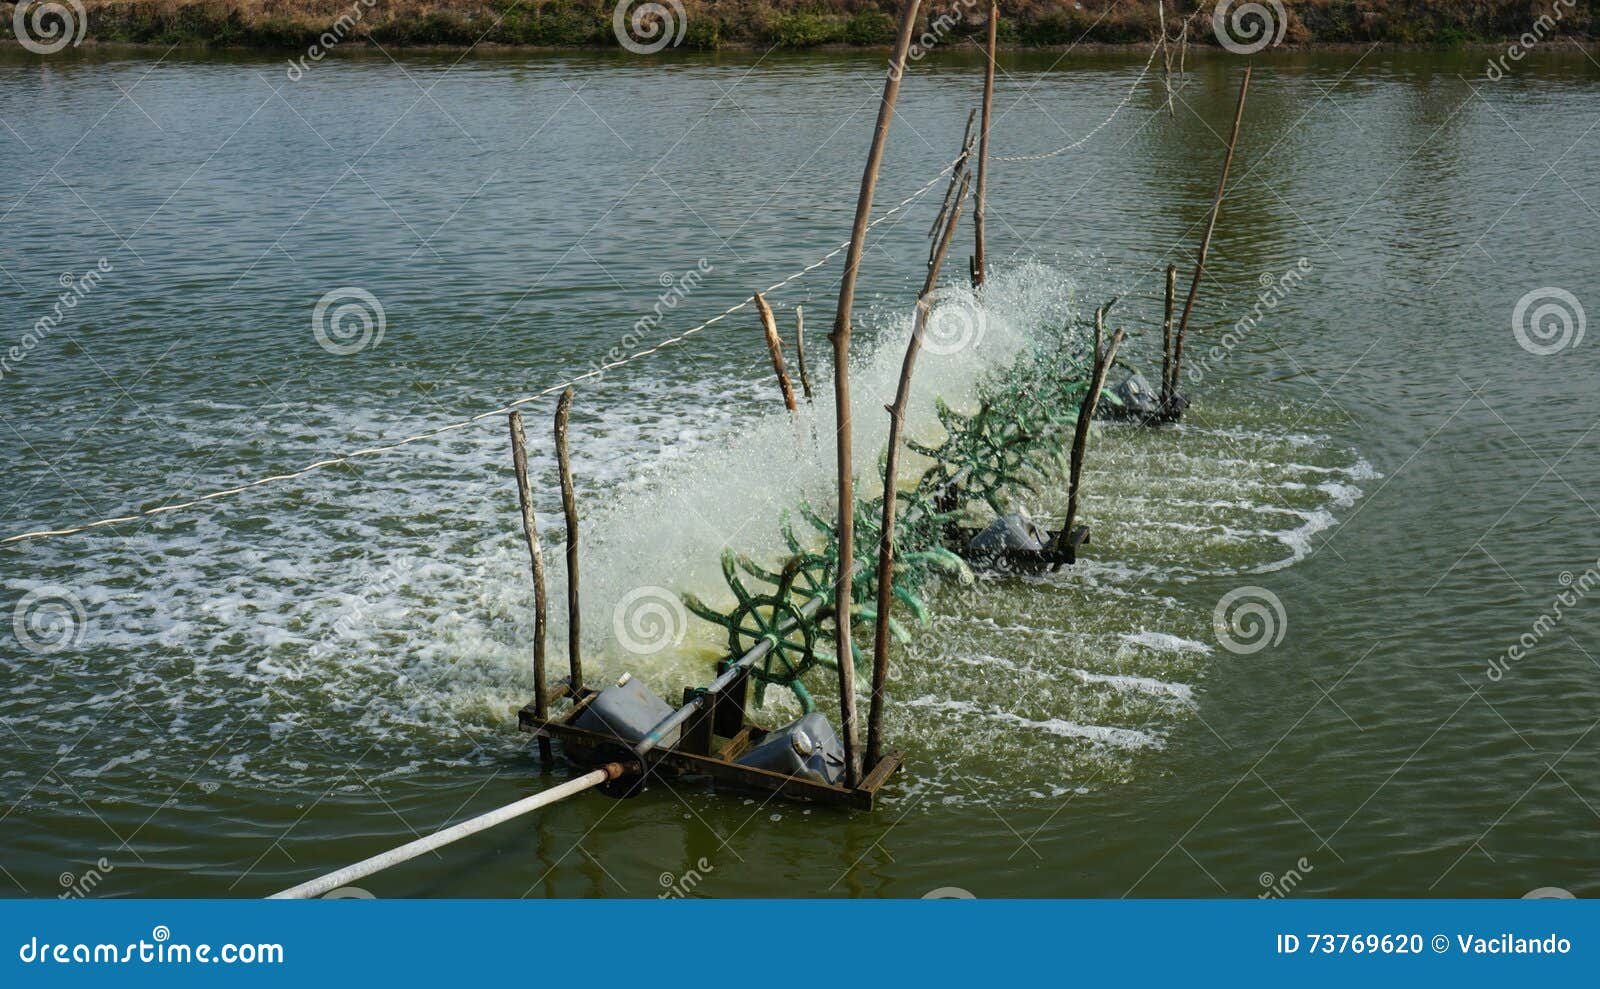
[(840, 337), (569, 506), (1169, 387), (980, 208), (530, 529), (800, 350), (769, 326), (1086, 411), (891, 471), (1211, 226)]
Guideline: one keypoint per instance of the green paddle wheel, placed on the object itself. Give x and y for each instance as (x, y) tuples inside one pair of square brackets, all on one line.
[(1020, 431)]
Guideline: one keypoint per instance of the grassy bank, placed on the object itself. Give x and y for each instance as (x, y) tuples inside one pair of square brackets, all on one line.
[(710, 24)]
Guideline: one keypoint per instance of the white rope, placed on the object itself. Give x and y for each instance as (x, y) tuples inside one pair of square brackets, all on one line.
[(410, 850), (1097, 127), (462, 424)]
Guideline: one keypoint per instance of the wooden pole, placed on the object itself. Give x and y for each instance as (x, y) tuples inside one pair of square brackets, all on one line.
[(800, 350), (1211, 226), (980, 209), (840, 338), (1086, 410), (891, 470), (1168, 386), (569, 506), (775, 348), (530, 529)]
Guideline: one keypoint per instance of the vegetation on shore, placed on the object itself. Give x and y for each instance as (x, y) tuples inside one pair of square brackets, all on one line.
[(710, 24)]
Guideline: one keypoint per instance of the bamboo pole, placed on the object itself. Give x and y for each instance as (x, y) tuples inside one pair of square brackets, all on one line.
[(800, 350), (891, 469), (775, 348), (530, 530), (1211, 226), (1086, 411), (841, 389), (979, 210), (569, 506), (1168, 386)]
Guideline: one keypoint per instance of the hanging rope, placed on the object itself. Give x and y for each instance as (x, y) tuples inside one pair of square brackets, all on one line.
[(1126, 99), (373, 451)]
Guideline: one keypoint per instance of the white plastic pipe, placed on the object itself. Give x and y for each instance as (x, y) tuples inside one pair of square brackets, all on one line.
[(410, 850)]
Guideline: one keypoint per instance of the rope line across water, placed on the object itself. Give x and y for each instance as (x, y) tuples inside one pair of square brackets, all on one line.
[(492, 413), (595, 372), (1126, 99)]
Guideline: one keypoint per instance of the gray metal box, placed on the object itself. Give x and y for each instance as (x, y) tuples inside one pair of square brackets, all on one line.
[(627, 712), (808, 748)]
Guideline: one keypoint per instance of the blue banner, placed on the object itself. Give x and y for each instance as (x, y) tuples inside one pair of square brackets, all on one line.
[(799, 942)]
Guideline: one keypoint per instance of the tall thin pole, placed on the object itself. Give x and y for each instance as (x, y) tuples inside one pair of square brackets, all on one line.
[(891, 470), (1086, 410), (1211, 225), (530, 530), (775, 349), (1168, 386), (569, 506), (980, 209), (840, 338), (800, 350)]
